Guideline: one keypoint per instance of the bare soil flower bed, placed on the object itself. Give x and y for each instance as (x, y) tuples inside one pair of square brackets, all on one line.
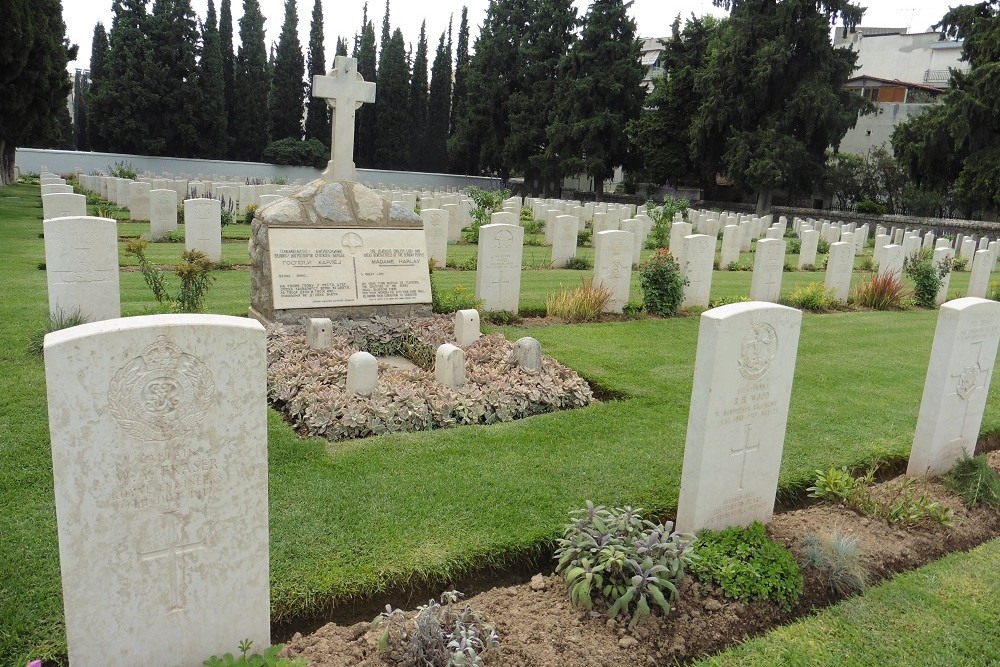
[(309, 386), (539, 627)]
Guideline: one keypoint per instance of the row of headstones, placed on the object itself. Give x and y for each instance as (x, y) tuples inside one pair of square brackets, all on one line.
[(159, 447), (449, 360), (745, 363)]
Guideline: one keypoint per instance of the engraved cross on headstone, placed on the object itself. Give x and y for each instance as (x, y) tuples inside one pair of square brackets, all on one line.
[(743, 450), (175, 548), (344, 90)]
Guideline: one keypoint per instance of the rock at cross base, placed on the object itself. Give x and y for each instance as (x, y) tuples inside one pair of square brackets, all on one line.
[(344, 90)]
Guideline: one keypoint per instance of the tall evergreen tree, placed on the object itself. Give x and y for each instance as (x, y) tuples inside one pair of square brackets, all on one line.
[(317, 111), (341, 49), (171, 78), (287, 90), (124, 103), (81, 90), (483, 126), (600, 91), (418, 103), (438, 111), (385, 29), (357, 36), (34, 82), (461, 72), (364, 128), (392, 143), (250, 87), (546, 40), (226, 33), (214, 136), (98, 75)]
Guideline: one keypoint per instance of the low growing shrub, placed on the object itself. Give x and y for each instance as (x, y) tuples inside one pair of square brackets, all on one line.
[(814, 297), (123, 169), (836, 559), (297, 153), (584, 236), (194, 273), (880, 292), (533, 226), (267, 659), (822, 246), (869, 207), (577, 263), (441, 633), (662, 284), (927, 276), (793, 245), (458, 298), (960, 263), (748, 565), (629, 562), (582, 304), (867, 263), (975, 481), (726, 300), (898, 503)]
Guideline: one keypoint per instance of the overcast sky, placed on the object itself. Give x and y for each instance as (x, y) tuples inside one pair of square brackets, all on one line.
[(343, 17)]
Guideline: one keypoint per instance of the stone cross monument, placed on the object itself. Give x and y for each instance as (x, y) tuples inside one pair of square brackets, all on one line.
[(344, 90)]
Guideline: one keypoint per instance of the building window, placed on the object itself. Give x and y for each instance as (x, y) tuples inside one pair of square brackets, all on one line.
[(871, 94)]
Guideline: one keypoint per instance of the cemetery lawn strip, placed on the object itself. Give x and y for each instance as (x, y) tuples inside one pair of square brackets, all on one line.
[(942, 614)]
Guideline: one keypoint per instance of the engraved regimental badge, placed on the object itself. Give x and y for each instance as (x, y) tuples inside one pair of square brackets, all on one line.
[(161, 394), (757, 351), (968, 381)]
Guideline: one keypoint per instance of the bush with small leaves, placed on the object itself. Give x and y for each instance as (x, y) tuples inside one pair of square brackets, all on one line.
[(629, 562), (747, 565), (662, 284), (458, 298), (836, 559), (577, 263), (927, 276), (726, 300), (899, 502), (269, 658), (814, 297), (960, 263), (583, 237), (822, 246), (975, 481), (867, 263), (869, 207), (441, 634), (794, 245)]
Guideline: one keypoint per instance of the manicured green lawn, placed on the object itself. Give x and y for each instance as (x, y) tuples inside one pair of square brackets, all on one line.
[(352, 519), (942, 615)]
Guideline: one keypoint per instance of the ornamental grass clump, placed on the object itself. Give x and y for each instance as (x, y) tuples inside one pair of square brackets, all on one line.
[(582, 304), (881, 292), (836, 558), (975, 481), (627, 561), (662, 284), (927, 276)]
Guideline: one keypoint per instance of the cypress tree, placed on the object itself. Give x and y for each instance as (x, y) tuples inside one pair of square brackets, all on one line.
[(81, 90), (250, 86), (364, 128), (600, 91), (392, 144), (439, 111), (35, 85), (418, 103), (461, 70), (214, 138), (385, 29), (228, 68), (287, 91), (547, 38), (98, 57), (318, 113), (341, 49), (172, 80), (357, 36)]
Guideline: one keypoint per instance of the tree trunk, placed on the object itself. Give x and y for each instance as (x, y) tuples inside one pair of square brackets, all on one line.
[(764, 202), (6, 163), (598, 187)]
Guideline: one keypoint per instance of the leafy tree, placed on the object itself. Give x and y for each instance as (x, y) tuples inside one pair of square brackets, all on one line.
[(98, 74), (418, 103), (250, 86), (662, 134), (214, 137), (392, 143), (317, 112), (364, 127), (171, 81), (123, 102), (34, 82), (287, 88), (546, 40), (843, 177), (483, 125), (955, 146), (228, 68), (438, 111), (771, 97), (600, 91), (461, 70), (81, 125)]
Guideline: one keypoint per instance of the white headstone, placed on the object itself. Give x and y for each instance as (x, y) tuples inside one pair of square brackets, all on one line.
[(613, 266), (319, 333), (63, 205), (362, 374), (528, 353), (768, 265), (455, 223), (467, 327), (564, 234), (891, 260), (55, 189), (840, 269), (807, 248), (203, 227), (968, 248), (635, 227), (958, 381), (744, 365), (498, 267), (162, 213), (138, 197), (943, 254), (678, 232), (699, 259), (730, 252), (159, 454), (449, 366), (436, 233), (979, 280), (81, 267)]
